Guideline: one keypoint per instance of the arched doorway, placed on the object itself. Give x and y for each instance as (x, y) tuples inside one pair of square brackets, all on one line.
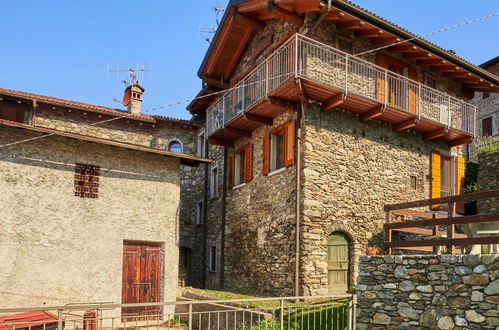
[(338, 262)]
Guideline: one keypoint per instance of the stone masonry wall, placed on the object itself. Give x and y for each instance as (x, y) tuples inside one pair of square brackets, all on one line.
[(428, 292), (260, 226), (488, 179), (350, 171)]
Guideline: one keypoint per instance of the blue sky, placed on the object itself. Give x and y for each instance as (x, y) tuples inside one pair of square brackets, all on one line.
[(63, 48)]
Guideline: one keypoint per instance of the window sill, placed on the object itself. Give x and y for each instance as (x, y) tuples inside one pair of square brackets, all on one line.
[(282, 169), (239, 186)]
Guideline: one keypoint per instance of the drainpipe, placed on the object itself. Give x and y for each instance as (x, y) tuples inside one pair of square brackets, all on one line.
[(205, 214), (321, 18), (298, 196), (224, 207)]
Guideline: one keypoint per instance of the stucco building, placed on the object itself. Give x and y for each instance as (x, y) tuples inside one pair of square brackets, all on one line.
[(82, 206), (319, 132)]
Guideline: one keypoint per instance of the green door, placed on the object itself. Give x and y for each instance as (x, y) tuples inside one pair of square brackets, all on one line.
[(338, 263)]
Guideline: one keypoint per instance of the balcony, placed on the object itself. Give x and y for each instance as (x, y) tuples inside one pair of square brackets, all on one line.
[(306, 67)]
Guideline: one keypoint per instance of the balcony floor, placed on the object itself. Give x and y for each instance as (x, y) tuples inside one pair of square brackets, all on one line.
[(240, 126)]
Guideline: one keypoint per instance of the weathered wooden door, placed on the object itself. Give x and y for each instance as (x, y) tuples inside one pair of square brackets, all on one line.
[(141, 277), (338, 263)]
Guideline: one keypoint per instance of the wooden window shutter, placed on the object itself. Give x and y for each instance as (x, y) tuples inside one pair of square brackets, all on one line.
[(380, 88), (266, 154), (289, 144), (460, 169), (231, 170), (413, 97), (436, 160), (248, 163)]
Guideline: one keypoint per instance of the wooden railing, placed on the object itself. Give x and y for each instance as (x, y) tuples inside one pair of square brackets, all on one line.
[(433, 220)]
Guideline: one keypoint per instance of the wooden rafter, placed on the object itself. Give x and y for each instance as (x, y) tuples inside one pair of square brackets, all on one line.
[(435, 134), (237, 132), (459, 74), (259, 119), (444, 68), (335, 15), (371, 33), (223, 143), (300, 90), (403, 48), (283, 14), (241, 19), (431, 61), (460, 142), (351, 25), (216, 82), (405, 125), (418, 55), (384, 41), (373, 113), (282, 103), (333, 102), (235, 56), (223, 38)]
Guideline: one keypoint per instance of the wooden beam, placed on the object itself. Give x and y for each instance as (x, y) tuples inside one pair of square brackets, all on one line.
[(459, 74), (460, 142), (444, 68), (418, 54), (403, 48), (405, 125), (369, 33), (223, 143), (384, 41), (238, 132), (335, 15), (373, 113), (435, 134), (469, 80), (333, 102), (216, 82), (444, 242), (446, 221), (241, 19), (284, 14), (351, 25), (300, 90), (430, 61), (282, 103), (259, 119)]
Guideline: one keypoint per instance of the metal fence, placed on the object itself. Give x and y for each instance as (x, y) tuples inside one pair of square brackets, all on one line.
[(302, 56), (290, 313)]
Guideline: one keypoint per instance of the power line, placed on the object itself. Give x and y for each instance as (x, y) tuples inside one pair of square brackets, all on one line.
[(452, 27)]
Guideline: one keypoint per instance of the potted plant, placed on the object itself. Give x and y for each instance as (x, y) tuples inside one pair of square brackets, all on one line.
[(373, 250)]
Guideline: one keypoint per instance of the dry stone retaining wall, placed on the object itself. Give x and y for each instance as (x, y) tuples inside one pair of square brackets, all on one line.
[(428, 292)]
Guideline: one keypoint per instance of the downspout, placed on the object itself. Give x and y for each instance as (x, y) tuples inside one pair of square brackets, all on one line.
[(298, 197), (205, 214), (321, 18), (224, 207)]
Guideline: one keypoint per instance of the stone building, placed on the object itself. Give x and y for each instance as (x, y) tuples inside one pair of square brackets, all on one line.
[(316, 140), (488, 110), (84, 217), (170, 206)]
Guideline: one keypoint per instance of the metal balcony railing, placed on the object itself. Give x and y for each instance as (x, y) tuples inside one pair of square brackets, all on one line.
[(302, 56)]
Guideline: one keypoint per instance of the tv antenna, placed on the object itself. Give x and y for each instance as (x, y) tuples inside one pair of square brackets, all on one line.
[(217, 9), (133, 73)]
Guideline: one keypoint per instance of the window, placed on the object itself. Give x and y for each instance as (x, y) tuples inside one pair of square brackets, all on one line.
[(278, 148), (214, 182), (485, 95), (345, 45), (240, 166), (87, 181), (212, 266), (201, 145), (199, 212), (445, 176), (430, 81), (487, 126), (175, 146)]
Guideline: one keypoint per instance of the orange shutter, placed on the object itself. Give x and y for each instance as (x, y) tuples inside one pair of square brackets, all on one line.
[(460, 169), (231, 170), (380, 88), (289, 144), (248, 163), (435, 176), (413, 96), (266, 154)]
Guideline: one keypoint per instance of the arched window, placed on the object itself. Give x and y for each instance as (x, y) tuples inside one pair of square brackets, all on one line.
[(175, 145)]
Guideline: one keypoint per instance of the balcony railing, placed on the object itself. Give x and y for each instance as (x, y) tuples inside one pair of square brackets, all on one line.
[(301, 56)]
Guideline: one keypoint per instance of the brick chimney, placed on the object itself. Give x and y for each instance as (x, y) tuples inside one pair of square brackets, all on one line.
[(136, 92)]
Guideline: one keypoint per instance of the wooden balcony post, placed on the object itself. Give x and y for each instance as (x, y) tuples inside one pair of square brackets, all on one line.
[(435, 232), (388, 232), (450, 227)]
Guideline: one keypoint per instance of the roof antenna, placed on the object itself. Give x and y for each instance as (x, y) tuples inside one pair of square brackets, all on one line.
[(133, 73)]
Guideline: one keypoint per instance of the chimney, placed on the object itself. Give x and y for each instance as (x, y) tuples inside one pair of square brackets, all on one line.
[(135, 91)]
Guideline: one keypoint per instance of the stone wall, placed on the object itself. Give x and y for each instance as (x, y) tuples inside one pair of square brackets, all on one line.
[(350, 171), (260, 226), (488, 179), (57, 248), (428, 292)]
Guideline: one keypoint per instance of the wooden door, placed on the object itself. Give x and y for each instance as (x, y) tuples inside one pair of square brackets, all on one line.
[(141, 277), (338, 263)]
